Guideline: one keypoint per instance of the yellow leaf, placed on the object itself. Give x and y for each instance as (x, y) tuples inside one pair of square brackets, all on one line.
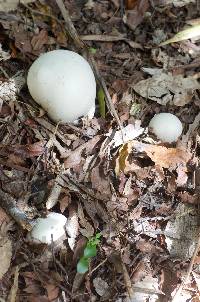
[(188, 33), (121, 160)]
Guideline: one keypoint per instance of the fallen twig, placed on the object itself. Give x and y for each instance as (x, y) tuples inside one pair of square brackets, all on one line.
[(176, 297), (103, 38), (127, 281), (99, 265), (111, 38), (69, 25)]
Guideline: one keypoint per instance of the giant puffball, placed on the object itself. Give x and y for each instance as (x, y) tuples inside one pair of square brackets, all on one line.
[(63, 83), (166, 126), (48, 228)]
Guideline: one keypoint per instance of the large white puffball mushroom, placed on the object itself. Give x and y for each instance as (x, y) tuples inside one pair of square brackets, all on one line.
[(63, 83), (52, 225), (166, 126)]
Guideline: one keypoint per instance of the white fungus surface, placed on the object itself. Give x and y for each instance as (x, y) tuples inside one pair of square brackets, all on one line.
[(53, 224), (166, 126), (63, 83)]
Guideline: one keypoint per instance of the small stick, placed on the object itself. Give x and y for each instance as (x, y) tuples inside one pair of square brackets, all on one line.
[(100, 264), (127, 281), (180, 288), (69, 25), (109, 102), (104, 38), (8, 203)]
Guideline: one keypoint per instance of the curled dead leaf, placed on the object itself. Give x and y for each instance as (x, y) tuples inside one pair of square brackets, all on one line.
[(72, 227)]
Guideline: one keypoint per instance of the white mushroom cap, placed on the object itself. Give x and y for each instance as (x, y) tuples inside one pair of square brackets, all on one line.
[(63, 83), (166, 126), (53, 224)]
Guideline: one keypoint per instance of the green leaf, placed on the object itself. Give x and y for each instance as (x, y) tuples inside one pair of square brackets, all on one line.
[(90, 251), (188, 33), (94, 240), (92, 50), (83, 265), (101, 100)]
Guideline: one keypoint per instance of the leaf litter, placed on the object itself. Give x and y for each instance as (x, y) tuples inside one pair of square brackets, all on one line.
[(141, 195), (167, 89)]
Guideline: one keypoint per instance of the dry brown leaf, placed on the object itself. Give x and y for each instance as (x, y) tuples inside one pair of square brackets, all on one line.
[(76, 155), (39, 40), (148, 247), (72, 226), (22, 38), (79, 248), (9, 5), (59, 33), (166, 88), (134, 17), (25, 151), (33, 288), (100, 286), (52, 291), (14, 159), (4, 217), (14, 288), (130, 4), (169, 158), (186, 197), (163, 157), (54, 193), (5, 253), (64, 202), (100, 182), (88, 230), (37, 298)]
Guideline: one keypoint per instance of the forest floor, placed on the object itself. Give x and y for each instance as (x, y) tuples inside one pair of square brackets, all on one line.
[(138, 194)]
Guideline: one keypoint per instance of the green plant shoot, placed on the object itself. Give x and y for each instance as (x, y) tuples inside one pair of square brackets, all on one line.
[(89, 252), (92, 50), (101, 100)]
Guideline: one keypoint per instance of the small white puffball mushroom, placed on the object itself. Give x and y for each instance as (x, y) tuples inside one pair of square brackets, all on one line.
[(63, 83), (52, 225), (166, 126)]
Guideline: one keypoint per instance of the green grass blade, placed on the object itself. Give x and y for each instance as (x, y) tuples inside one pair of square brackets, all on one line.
[(101, 100)]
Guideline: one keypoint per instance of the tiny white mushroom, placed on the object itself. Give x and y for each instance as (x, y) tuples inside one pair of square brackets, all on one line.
[(166, 126), (45, 228), (63, 83)]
